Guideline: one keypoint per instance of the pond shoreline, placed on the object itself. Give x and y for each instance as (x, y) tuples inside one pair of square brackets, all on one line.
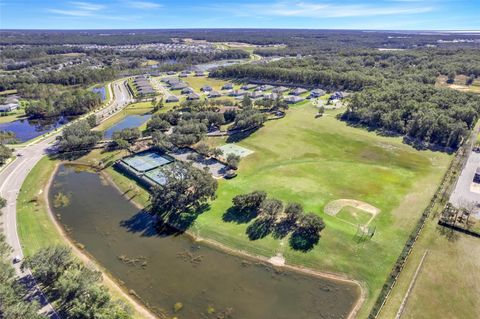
[(108, 279), (139, 304)]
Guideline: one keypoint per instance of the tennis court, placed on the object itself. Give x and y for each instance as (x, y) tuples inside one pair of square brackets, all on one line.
[(235, 149), (147, 161), (157, 175)]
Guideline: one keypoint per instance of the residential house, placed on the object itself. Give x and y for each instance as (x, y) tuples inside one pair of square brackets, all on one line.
[(193, 96), (227, 86), (293, 99), (337, 95), (187, 90), (317, 93), (279, 89), (178, 86), (237, 93), (298, 91), (214, 94), (5, 108), (172, 98), (248, 86)]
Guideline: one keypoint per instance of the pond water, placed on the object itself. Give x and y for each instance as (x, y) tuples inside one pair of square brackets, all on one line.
[(216, 64), (164, 268), (130, 121), (27, 129)]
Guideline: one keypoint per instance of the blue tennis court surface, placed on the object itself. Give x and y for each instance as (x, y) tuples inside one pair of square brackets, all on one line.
[(147, 161), (157, 175)]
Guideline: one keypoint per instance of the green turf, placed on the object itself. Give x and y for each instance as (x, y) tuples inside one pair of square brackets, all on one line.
[(35, 228), (314, 161)]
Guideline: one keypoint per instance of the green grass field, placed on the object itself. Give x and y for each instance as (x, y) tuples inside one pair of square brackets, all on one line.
[(314, 161), (35, 228), (448, 284)]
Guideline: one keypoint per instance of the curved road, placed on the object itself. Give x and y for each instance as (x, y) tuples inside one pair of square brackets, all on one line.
[(11, 180)]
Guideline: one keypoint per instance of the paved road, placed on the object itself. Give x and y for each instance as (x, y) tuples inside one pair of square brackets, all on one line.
[(463, 195), (11, 180)]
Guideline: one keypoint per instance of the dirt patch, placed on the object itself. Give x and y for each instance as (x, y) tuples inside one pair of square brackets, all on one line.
[(334, 207)]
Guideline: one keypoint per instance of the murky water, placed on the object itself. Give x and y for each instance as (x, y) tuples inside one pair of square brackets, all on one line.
[(28, 129), (166, 269), (130, 121)]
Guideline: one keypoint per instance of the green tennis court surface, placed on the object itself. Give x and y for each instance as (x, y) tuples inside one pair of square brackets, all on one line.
[(235, 149), (147, 161)]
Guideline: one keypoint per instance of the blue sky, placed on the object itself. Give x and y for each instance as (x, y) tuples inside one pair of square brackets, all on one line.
[(312, 14)]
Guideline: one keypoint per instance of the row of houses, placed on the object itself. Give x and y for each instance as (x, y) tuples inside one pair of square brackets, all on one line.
[(143, 86), (10, 104)]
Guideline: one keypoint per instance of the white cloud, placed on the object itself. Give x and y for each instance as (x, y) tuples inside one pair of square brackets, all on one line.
[(143, 4), (87, 6), (326, 9), (79, 9), (74, 13)]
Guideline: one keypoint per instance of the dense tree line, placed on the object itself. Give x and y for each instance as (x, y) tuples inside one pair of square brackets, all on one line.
[(13, 295), (292, 38), (188, 58), (5, 153), (77, 287), (78, 137), (356, 69), (424, 113), (249, 119), (69, 103), (67, 77)]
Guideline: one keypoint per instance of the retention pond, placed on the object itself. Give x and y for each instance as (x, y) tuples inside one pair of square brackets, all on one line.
[(174, 274), (27, 129), (130, 121)]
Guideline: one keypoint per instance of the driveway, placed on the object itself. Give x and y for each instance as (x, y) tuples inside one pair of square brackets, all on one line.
[(463, 195)]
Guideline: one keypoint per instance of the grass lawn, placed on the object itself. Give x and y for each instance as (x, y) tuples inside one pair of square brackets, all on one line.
[(314, 161), (13, 116), (448, 284), (35, 228), (196, 82), (459, 84)]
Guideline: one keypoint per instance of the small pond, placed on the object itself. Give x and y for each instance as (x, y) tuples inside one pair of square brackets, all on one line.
[(164, 268), (130, 121), (27, 129)]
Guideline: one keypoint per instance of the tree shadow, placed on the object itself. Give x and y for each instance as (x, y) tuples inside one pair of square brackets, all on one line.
[(282, 229), (303, 242), (235, 215), (147, 225), (259, 229), (181, 221), (449, 233), (237, 136)]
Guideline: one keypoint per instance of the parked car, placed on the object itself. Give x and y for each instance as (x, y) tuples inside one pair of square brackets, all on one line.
[(16, 259)]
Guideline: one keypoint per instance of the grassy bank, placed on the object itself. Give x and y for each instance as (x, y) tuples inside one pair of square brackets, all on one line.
[(13, 116), (448, 284), (35, 227), (314, 161)]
